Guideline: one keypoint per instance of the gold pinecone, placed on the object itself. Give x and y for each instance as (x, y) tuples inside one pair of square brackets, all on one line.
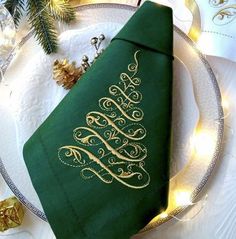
[(66, 74)]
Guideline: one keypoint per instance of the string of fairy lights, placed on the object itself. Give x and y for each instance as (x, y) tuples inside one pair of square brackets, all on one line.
[(203, 146)]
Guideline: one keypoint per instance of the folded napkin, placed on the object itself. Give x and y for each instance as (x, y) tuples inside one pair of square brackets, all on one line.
[(100, 161)]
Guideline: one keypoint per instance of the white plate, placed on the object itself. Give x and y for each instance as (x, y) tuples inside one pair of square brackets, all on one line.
[(32, 96)]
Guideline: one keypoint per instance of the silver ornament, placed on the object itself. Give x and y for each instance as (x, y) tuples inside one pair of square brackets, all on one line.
[(94, 40)]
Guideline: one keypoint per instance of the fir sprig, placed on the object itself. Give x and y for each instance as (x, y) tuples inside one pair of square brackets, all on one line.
[(62, 11), (43, 25), (42, 15), (15, 7)]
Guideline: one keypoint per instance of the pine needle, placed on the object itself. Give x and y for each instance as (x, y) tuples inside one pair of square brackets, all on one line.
[(61, 10), (15, 7), (42, 15), (43, 24)]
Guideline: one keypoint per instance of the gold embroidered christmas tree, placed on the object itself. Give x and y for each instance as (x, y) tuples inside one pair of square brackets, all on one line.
[(109, 146)]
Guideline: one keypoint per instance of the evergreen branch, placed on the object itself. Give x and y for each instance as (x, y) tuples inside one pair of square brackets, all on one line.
[(61, 10), (15, 7), (43, 24)]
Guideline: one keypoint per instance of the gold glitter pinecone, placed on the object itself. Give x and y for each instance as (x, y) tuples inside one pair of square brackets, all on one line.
[(66, 74)]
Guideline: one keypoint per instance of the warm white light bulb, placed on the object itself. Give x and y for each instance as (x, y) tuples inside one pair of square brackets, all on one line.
[(225, 103), (203, 143), (183, 198), (163, 215)]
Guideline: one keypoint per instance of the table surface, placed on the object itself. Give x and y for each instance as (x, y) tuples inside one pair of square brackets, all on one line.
[(217, 218)]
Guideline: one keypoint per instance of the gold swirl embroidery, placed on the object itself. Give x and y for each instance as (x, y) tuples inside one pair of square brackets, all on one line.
[(134, 97), (217, 3), (109, 146), (225, 16), (98, 120), (135, 115), (95, 138)]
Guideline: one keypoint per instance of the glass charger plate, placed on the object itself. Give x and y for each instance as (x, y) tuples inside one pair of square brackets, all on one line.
[(191, 64)]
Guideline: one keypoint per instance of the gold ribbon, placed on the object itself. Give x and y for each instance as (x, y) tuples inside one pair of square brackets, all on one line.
[(195, 29)]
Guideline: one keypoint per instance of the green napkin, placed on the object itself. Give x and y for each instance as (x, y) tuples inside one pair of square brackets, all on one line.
[(100, 162)]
